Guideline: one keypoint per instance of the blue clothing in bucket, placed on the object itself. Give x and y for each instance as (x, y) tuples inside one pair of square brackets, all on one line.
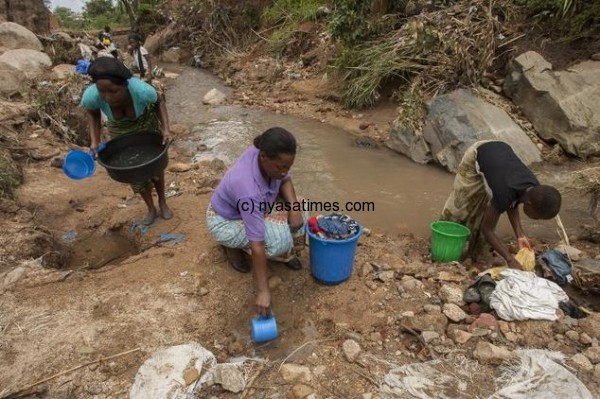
[(338, 226)]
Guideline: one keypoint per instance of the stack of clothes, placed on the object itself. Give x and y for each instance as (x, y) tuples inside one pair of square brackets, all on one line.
[(333, 227)]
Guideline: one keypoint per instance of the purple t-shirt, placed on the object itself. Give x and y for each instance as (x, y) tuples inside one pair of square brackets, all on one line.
[(241, 192)]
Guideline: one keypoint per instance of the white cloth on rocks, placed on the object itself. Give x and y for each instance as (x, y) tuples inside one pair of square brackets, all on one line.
[(524, 296), (539, 375)]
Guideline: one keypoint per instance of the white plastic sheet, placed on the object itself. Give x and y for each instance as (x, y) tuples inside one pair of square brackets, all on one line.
[(161, 376), (540, 376)]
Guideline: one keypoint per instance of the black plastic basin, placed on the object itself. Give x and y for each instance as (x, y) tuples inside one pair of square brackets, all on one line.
[(135, 157)]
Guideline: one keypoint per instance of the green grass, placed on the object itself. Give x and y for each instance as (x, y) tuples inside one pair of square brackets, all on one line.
[(293, 10), (10, 177)]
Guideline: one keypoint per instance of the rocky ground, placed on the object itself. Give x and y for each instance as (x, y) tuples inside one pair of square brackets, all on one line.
[(88, 296)]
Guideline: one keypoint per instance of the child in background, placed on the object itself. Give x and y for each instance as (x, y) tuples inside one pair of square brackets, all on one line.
[(141, 59)]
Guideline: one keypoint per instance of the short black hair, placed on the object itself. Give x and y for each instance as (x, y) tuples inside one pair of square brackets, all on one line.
[(135, 36), (109, 68), (275, 141), (546, 200)]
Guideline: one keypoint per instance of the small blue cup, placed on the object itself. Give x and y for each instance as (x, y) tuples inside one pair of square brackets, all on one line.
[(263, 328)]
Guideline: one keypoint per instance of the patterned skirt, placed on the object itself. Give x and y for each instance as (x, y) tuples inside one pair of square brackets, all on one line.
[(469, 199), (280, 243), (147, 122)]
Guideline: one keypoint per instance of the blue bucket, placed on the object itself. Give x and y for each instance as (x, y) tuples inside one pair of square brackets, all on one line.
[(78, 165), (331, 261)]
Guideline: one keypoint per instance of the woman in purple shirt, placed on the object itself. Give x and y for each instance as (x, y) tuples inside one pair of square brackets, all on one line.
[(243, 214)]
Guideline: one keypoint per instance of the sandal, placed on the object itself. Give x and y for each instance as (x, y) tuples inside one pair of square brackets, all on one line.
[(241, 265), (481, 291)]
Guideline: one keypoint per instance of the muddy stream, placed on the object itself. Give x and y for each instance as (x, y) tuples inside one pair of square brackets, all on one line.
[(397, 195)]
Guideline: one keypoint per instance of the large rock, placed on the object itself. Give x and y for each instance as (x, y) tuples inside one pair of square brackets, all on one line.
[(11, 79), (63, 70), (406, 141), (172, 55), (32, 14), (14, 36), (434, 321), (564, 106), (31, 63), (454, 122)]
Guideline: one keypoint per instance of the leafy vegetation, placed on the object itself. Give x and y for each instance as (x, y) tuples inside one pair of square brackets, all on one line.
[(354, 21), (430, 54), (115, 13), (571, 19), (288, 15)]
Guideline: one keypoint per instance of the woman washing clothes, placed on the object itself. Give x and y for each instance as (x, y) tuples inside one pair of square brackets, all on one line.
[(492, 180), (130, 105), (241, 214)]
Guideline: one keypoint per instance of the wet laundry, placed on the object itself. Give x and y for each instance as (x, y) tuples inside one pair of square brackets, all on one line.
[(524, 296), (558, 265), (334, 226)]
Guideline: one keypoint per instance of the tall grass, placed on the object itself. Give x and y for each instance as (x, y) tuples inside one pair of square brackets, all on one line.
[(293, 11), (287, 15), (436, 51)]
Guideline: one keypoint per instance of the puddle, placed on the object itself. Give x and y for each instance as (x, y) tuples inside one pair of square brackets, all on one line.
[(398, 195), (96, 251)]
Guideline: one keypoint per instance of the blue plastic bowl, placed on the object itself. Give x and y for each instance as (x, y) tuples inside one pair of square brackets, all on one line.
[(78, 165), (264, 329)]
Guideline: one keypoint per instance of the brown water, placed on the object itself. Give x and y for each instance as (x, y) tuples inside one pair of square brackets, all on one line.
[(134, 155), (399, 196)]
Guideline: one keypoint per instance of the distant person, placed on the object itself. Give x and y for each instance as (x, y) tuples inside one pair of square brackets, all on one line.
[(239, 218), (491, 180), (130, 105), (141, 58), (105, 34)]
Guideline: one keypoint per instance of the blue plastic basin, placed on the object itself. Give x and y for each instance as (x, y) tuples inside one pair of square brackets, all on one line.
[(78, 165)]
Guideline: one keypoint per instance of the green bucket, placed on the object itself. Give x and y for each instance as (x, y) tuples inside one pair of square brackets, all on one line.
[(448, 241)]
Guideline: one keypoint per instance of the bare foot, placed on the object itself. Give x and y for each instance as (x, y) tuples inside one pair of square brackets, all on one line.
[(166, 212), (149, 219)]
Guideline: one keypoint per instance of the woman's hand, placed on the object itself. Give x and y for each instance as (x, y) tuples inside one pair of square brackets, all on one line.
[(94, 149), (263, 302), (523, 242), (166, 133), (514, 264), (295, 220)]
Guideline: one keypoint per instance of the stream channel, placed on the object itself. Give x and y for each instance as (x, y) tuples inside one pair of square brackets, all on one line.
[(405, 197)]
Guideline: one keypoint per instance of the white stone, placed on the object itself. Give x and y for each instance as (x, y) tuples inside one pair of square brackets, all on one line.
[(214, 97), (229, 376), (487, 353), (581, 362), (351, 350), (460, 336), (451, 294), (453, 312), (295, 373), (429, 336), (593, 354)]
